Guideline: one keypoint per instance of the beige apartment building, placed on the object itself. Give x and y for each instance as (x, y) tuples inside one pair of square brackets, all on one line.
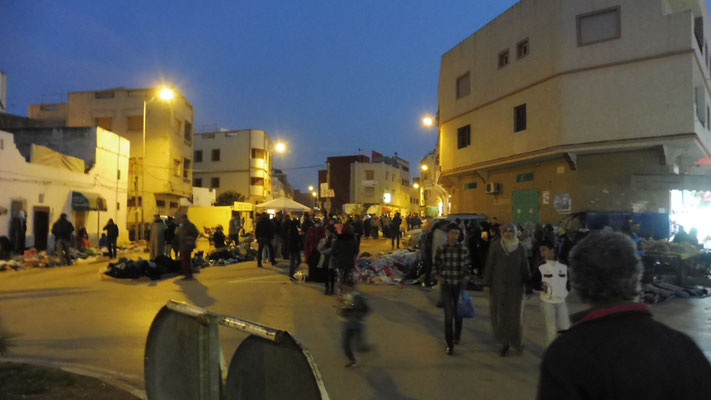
[(239, 160), (383, 186), (434, 199), (169, 142), (558, 106)]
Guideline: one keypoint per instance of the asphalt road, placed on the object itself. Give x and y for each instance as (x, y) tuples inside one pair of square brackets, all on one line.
[(71, 315)]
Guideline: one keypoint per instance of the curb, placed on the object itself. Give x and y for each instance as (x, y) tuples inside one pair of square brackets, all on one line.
[(120, 380)]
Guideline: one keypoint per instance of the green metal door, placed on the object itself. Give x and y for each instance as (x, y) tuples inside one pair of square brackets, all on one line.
[(525, 206)]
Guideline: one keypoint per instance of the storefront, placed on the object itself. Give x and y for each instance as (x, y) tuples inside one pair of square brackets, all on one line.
[(691, 209)]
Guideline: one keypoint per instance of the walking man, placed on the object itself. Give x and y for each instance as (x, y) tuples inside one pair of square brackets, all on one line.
[(395, 233), (452, 264), (187, 236), (554, 278), (62, 231)]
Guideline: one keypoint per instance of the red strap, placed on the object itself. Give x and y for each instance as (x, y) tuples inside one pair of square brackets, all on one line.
[(597, 314)]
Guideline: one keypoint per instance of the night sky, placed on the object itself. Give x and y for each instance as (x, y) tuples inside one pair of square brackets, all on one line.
[(327, 77)]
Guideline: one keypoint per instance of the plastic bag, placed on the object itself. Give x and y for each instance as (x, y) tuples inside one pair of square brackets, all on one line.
[(465, 306)]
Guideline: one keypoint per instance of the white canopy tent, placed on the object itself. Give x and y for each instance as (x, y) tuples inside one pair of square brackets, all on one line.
[(283, 204)]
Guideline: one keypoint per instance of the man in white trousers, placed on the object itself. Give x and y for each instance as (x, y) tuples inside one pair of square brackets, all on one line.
[(554, 280)]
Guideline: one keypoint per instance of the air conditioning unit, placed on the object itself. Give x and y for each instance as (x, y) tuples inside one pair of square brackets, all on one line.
[(493, 188)]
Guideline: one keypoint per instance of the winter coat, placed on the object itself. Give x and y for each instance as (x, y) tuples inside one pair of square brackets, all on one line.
[(344, 251), (187, 234), (325, 247), (63, 229), (507, 274), (620, 352), (292, 237), (112, 231), (265, 229)]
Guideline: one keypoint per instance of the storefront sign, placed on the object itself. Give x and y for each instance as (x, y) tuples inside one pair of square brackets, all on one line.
[(561, 202), (546, 197)]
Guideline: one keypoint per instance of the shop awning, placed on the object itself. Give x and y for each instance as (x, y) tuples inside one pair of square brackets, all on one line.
[(88, 201)]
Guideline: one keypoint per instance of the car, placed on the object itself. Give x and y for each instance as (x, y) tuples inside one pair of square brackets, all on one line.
[(475, 218)]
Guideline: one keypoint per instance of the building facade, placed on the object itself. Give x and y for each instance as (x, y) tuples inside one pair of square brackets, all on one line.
[(45, 172), (383, 186), (168, 142), (434, 200), (571, 105), (239, 161), (338, 179)]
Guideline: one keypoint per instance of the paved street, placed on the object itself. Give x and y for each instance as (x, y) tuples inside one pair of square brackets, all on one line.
[(70, 315)]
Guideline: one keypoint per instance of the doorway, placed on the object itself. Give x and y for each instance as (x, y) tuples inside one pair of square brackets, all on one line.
[(40, 227), (525, 206)]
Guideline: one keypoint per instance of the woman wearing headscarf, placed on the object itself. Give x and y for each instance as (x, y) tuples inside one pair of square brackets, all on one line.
[(311, 254), (507, 275)]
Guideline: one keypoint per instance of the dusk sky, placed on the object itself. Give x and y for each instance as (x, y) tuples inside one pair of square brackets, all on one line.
[(326, 77)]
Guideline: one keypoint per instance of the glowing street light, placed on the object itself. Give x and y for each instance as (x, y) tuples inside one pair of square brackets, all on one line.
[(314, 194), (166, 94), (280, 147), (416, 186), (427, 121), (311, 188), (424, 167)]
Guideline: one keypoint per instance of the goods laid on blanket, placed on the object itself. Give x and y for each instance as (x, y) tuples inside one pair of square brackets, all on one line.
[(397, 267), (43, 259), (161, 266)]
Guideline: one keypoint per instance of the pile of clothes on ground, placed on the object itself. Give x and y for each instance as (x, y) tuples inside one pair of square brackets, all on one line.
[(397, 267), (30, 259), (227, 256), (658, 292), (154, 269)]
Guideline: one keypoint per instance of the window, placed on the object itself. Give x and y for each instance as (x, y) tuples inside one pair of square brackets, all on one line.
[(136, 93), (470, 186), (173, 204), (258, 153), (387, 175), (463, 137), (257, 181), (104, 95), (369, 174), (520, 118), (522, 49), (504, 58), (528, 177), (176, 167), (370, 192), (700, 93), (160, 203), (215, 154), (197, 156), (699, 32), (186, 168), (104, 122), (599, 26), (177, 126), (214, 182), (197, 182), (188, 131), (135, 123), (48, 107), (463, 85)]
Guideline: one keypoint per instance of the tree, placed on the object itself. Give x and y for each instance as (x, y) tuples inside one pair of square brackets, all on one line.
[(228, 198)]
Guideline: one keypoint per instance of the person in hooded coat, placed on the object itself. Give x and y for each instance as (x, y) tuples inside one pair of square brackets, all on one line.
[(293, 245), (311, 254), (343, 254), (157, 242), (507, 275)]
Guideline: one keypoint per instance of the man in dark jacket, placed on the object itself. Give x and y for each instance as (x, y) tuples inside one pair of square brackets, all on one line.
[(187, 235), (112, 233), (343, 256), (358, 230), (616, 350), (265, 234), (62, 231), (395, 233)]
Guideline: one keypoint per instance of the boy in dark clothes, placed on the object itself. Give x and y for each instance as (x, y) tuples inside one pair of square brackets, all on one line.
[(353, 309)]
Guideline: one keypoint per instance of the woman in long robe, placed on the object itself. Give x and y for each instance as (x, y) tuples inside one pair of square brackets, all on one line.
[(507, 275), (311, 254)]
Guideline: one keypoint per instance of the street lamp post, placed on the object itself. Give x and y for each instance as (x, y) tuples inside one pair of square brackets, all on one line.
[(165, 94)]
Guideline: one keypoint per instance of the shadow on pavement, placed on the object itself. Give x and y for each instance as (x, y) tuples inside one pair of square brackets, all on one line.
[(384, 385), (196, 292), (39, 293)]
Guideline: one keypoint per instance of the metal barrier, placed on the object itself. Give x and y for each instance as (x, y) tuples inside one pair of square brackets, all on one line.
[(183, 360)]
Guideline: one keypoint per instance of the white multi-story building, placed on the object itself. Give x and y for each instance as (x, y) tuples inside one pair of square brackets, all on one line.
[(45, 172), (559, 106), (383, 186), (238, 161)]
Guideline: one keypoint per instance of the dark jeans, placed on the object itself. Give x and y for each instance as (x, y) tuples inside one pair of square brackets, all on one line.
[(235, 239), (63, 247), (265, 242), (112, 247), (349, 335), (294, 262), (396, 236), (450, 298), (186, 264), (331, 275)]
